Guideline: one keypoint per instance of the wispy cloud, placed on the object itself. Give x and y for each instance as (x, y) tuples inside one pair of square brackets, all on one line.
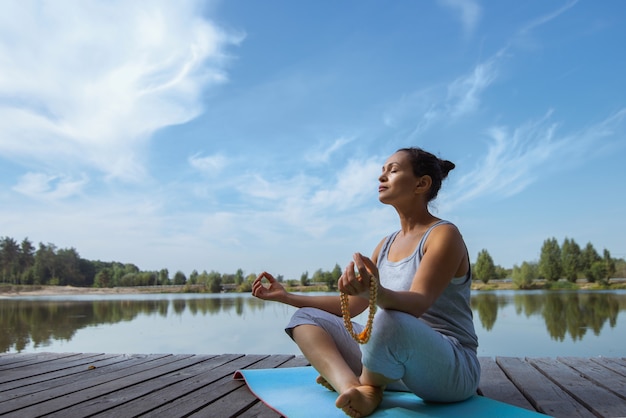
[(444, 103), (464, 92), (323, 155), (86, 84), (47, 187), (469, 12), (211, 164), (516, 158), (542, 20)]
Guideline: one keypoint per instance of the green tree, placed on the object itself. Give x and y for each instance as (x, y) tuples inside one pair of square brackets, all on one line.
[(164, 277), (571, 259), (550, 260), (620, 268), (239, 277), (484, 269), (9, 260), (45, 266), (524, 276), (610, 264), (67, 269), (304, 279), (597, 272), (333, 277), (215, 283), (589, 257), (502, 273), (26, 256), (104, 278), (180, 278)]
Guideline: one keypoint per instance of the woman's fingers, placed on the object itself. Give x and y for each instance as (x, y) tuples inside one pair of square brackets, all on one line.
[(365, 265), (351, 283), (266, 275)]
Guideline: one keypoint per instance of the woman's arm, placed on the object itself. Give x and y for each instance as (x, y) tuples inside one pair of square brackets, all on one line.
[(274, 291)]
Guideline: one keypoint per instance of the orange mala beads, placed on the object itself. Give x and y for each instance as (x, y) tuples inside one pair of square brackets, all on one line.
[(364, 336)]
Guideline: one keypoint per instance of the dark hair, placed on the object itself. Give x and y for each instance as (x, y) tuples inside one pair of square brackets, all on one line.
[(426, 164)]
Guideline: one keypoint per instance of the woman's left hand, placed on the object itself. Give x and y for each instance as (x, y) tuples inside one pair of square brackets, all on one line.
[(355, 284)]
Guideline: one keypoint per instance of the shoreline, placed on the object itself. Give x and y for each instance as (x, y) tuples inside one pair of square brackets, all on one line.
[(8, 291), (36, 290)]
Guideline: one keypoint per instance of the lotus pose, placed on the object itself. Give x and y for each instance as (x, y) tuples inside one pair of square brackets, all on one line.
[(422, 338)]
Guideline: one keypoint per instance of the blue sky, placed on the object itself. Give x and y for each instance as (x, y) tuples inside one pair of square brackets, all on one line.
[(246, 134)]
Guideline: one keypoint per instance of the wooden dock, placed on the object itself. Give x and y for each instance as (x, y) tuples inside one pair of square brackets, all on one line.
[(119, 385)]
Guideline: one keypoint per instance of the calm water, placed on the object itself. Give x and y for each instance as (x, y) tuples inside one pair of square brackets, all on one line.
[(508, 323)]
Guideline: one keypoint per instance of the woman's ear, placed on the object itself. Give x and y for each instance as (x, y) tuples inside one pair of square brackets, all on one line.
[(423, 184)]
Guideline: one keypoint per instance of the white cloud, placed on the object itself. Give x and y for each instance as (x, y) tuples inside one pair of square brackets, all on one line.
[(444, 103), (469, 12), (516, 158), (49, 187), (464, 92), (356, 182), (323, 155), (87, 83), (542, 20), (211, 164)]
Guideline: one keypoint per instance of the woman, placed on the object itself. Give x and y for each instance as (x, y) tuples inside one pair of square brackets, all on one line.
[(423, 337)]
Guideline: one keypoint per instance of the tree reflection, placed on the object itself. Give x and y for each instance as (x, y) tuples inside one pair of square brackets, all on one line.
[(31, 322), (564, 313)]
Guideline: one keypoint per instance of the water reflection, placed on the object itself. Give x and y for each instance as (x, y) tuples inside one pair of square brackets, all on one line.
[(250, 324), (39, 322), (564, 313)]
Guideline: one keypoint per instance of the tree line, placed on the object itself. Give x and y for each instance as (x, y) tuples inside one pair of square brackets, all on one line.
[(22, 263), (567, 261)]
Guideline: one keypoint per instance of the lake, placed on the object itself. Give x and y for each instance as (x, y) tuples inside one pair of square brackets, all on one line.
[(508, 323)]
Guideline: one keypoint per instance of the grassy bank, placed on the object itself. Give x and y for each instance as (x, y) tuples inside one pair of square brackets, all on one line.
[(37, 290)]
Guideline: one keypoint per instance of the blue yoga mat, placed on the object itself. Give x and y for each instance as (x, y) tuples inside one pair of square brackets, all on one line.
[(293, 393)]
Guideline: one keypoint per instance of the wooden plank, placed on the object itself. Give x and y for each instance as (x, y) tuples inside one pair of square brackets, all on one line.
[(10, 358), (168, 396), (41, 383), (599, 374), (597, 399), (543, 394), (206, 395), (79, 395), (127, 392), (50, 366), (29, 381), (612, 363), (34, 360), (66, 387), (494, 384)]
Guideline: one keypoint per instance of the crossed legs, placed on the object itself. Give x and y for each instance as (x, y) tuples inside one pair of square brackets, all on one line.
[(358, 396)]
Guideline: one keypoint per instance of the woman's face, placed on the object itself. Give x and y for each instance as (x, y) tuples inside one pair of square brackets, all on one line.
[(397, 180)]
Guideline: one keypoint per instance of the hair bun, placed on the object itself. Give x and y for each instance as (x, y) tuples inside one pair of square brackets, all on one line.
[(446, 166)]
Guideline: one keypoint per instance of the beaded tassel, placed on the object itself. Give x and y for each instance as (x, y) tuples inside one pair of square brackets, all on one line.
[(364, 336)]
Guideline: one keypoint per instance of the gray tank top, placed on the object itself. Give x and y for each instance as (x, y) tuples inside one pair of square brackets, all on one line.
[(450, 314)]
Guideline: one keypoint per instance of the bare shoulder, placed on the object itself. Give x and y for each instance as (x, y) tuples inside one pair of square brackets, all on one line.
[(445, 235), (376, 252)]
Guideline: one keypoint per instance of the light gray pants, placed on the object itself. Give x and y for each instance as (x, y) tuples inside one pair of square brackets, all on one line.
[(403, 348)]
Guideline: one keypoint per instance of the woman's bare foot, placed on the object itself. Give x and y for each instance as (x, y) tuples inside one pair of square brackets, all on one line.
[(360, 401), (321, 381)]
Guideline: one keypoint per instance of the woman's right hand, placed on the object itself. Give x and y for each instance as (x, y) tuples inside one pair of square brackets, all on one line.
[(275, 291)]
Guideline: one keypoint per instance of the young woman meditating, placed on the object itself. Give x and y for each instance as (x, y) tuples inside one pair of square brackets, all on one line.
[(421, 338)]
